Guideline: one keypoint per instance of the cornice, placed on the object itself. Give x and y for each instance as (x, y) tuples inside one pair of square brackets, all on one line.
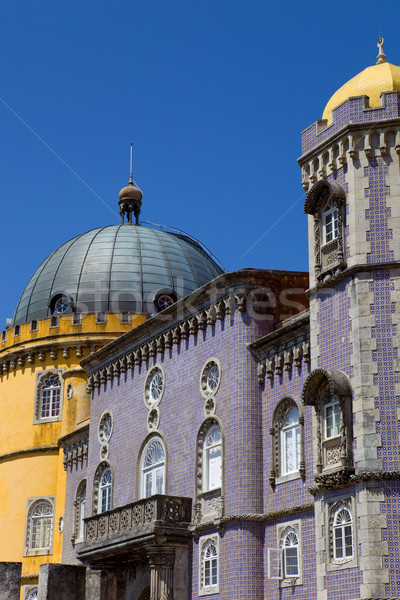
[(29, 451), (253, 517), (350, 272), (195, 312)]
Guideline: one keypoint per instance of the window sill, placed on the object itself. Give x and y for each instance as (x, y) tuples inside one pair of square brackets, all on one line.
[(288, 477), (209, 590)]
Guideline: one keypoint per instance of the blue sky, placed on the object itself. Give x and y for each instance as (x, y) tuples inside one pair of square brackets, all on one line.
[(213, 95)]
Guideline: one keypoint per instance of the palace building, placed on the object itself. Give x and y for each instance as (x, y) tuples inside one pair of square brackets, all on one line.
[(172, 432)]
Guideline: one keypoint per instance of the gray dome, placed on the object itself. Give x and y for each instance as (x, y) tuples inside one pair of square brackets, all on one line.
[(119, 268)]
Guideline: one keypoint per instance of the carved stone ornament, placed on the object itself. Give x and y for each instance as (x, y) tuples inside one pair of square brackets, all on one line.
[(278, 420)]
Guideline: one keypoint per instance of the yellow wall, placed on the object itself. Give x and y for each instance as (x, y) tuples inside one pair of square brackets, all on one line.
[(31, 465)]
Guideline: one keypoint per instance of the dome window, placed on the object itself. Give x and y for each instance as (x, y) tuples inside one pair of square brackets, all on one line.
[(60, 304), (164, 300)]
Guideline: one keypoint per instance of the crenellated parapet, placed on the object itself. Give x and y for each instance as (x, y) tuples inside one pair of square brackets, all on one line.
[(348, 146), (353, 111)]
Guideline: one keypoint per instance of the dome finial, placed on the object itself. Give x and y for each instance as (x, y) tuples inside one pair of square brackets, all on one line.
[(130, 199), (381, 55)]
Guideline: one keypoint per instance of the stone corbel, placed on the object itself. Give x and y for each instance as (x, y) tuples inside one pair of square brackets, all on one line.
[(160, 344), (279, 365), (306, 352), (193, 326), (115, 368), (110, 373), (229, 303), (152, 348), (65, 352), (297, 356), (31, 357), (122, 364), (352, 147), (103, 376), (270, 367), (89, 384), (261, 370), (211, 315), (130, 360), (53, 353), (382, 144), (176, 335), (367, 146), (21, 360), (220, 311), (41, 355), (202, 321), (96, 380), (167, 339), (241, 302), (145, 352), (184, 330), (288, 359), (138, 357)]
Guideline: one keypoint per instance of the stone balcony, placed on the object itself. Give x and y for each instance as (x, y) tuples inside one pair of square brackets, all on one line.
[(127, 532)]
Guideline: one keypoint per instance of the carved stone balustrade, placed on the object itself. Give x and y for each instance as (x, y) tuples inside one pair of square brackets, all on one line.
[(129, 531)]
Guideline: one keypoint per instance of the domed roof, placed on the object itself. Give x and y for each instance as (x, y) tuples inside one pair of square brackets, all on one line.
[(382, 77), (119, 268)]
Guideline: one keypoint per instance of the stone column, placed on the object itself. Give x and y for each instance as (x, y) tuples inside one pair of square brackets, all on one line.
[(101, 585), (161, 561), (10, 580)]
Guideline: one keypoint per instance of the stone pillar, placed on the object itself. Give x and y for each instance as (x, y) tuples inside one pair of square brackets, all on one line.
[(10, 580), (161, 561), (101, 585), (61, 582)]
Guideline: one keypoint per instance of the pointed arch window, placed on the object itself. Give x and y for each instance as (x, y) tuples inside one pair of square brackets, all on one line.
[(80, 503), (153, 468), (287, 441), (102, 489), (290, 441), (212, 459), (105, 487)]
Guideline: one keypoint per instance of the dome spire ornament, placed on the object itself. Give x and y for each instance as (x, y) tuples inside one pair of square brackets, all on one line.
[(130, 200), (381, 58)]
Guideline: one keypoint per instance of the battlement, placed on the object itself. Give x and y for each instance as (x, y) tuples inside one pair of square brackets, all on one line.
[(352, 111)]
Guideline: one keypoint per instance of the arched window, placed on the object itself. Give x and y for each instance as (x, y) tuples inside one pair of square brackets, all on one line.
[(342, 534), (290, 554), (31, 593), (287, 441), (80, 502), (105, 487), (41, 525), (209, 557), (290, 442), (330, 226), (153, 468), (212, 476), (102, 488), (48, 396)]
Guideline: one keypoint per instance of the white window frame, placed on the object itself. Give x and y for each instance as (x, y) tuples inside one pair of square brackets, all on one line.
[(105, 490), (277, 556), (285, 554), (330, 224), (32, 505), (79, 513), (41, 377), (341, 528), (151, 473), (209, 587), (208, 460), (28, 590), (293, 429), (336, 418)]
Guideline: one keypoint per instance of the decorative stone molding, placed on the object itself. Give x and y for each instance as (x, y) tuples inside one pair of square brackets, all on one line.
[(278, 419), (269, 517), (15, 359), (76, 452), (213, 500)]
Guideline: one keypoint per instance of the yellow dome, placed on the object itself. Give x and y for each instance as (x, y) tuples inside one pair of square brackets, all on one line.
[(382, 77)]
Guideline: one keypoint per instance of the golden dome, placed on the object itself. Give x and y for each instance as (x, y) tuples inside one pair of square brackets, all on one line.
[(382, 77)]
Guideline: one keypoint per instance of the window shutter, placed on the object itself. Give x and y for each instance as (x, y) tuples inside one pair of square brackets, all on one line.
[(274, 563), (215, 472)]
